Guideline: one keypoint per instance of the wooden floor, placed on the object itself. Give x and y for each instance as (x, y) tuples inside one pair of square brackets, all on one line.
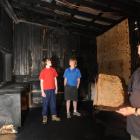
[(104, 125)]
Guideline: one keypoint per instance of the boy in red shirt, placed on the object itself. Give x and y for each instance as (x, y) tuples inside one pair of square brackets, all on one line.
[(48, 84)]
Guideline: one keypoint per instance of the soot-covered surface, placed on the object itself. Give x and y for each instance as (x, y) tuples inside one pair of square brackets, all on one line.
[(100, 126)]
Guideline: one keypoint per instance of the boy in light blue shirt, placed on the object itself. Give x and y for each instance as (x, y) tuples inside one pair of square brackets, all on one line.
[(72, 77)]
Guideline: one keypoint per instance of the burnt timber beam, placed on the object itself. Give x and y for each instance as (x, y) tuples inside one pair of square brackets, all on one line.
[(109, 6), (129, 3), (9, 10), (54, 25), (75, 12), (93, 4), (43, 21), (51, 7), (53, 16)]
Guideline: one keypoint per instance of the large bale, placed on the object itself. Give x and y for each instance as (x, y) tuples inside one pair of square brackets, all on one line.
[(110, 92)]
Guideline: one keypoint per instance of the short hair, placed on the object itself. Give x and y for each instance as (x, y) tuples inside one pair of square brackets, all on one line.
[(73, 59), (46, 59)]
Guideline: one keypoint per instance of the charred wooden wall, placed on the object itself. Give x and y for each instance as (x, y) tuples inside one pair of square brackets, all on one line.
[(114, 52), (87, 63), (6, 34), (88, 57), (27, 49), (33, 43), (5, 31)]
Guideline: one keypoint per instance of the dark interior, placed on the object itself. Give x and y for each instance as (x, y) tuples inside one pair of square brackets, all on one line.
[(31, 30)]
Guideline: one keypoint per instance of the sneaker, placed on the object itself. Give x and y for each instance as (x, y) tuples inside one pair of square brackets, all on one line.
[(68, 116), (55, 118), (77, 114), (45, 120)]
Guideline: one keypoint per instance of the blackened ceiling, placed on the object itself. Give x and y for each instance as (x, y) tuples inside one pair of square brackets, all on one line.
[(94, 16)]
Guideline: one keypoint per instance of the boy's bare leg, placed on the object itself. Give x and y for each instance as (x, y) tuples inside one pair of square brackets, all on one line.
[(76, 113), (75, 106), (68, 106), (68, 109)]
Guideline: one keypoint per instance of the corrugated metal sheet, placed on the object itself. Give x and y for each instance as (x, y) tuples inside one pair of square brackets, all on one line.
[(5, 39), (28, 41), (32, 43), (5, 31)]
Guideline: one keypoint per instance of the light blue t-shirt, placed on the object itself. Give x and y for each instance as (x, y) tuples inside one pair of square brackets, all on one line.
[(72, 75)]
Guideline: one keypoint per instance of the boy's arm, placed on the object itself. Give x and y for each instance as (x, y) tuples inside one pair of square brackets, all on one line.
[(65, 81), (78, 82), (42, 90), (56, 85)]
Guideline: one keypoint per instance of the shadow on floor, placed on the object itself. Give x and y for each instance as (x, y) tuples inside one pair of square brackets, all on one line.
[(101, 126)]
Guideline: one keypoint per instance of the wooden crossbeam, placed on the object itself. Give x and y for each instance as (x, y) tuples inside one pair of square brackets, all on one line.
[(9, 10)]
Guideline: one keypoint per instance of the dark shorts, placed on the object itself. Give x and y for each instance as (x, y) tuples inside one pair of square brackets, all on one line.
[(71, 93)]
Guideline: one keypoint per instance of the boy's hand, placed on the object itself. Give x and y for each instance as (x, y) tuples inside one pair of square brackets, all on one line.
[(43, 94), (56, 91)]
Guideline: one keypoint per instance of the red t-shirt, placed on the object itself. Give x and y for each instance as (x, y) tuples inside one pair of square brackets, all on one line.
[(48, 76)]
